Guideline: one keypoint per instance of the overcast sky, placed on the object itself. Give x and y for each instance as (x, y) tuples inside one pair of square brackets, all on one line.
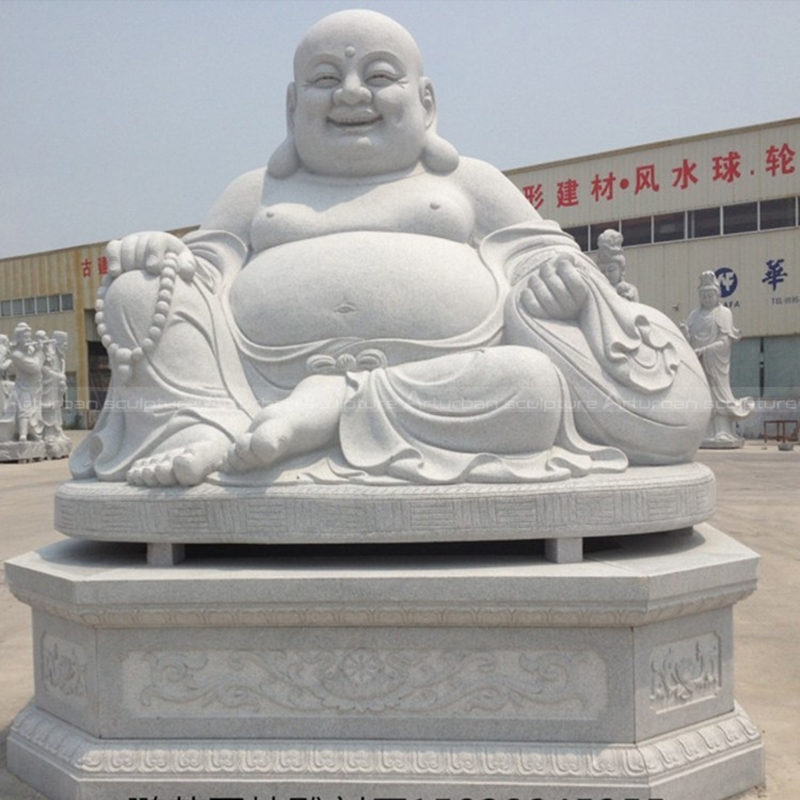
[(126, 115)]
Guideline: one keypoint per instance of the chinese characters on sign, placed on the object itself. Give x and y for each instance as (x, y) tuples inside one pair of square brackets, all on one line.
[(100, 264), (775, 273), (778, 159), (534, 195)]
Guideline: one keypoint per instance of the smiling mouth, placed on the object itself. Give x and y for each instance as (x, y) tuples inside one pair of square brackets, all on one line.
[(354, 123)]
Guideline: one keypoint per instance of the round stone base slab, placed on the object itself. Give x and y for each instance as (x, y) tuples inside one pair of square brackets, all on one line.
[(640, 500)]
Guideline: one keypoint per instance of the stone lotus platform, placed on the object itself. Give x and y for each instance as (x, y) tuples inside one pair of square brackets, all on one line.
[(641, 500), (374, 671)]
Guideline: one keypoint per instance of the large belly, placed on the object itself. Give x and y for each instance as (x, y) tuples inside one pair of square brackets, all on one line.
[(370, 285)]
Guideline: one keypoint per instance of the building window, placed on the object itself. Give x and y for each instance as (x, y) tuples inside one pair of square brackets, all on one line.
[(41, 304), (668, 227), (637, 231), (54, 303), (740, 218), (66, 302), (698, 223), (30, 305), (599, 228), (5, 308), (581, 236), (16, 307), (704, 222), (781, 213)]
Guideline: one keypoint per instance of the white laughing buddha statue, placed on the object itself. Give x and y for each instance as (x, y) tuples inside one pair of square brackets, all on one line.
[(373, 307)]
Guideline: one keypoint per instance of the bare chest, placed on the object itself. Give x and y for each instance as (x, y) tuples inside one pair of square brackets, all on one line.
[(427, 205)]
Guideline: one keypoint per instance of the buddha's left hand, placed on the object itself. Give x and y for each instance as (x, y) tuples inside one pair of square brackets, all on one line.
[(556, 291)]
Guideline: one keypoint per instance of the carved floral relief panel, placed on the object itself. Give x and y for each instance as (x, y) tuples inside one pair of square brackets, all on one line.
[(685, 672), (367, 681)]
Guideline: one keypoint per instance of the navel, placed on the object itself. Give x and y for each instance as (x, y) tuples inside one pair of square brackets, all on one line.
[(345, 307)]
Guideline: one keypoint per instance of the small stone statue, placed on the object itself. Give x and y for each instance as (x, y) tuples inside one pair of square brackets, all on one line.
[(711, 332), (54, 387), (25, 402), (372, 307), (611, 261), (30, 422), (5, 365)]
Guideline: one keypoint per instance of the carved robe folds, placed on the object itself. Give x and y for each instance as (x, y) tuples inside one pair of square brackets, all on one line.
[(515, 398)]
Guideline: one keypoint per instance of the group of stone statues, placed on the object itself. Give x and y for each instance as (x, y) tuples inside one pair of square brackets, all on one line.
[(709, 330), (32, 390)]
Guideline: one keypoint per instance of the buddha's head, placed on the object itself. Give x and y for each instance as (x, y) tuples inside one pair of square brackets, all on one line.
[(360, 105)]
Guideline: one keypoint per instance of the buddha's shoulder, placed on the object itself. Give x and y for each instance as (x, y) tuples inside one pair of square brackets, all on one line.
[(482, 179), (234, 208), (497, 201), (473, 169), (250, 184)]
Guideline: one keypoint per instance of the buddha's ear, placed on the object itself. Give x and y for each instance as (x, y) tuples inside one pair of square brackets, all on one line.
[(285, 161), (438, 154), (428, 100), (291, 105)]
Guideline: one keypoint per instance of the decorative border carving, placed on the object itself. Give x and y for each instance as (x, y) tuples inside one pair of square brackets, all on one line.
[(641, 500), (378, 682), (693, 747)]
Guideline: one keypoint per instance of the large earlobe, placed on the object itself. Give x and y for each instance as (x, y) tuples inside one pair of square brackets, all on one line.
[(285, 161), (438, 155)]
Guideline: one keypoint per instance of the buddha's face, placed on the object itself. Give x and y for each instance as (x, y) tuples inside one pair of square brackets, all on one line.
[(709, 298), (359, 105)]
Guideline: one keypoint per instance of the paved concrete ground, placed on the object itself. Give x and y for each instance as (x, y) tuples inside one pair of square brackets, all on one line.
[(758, 503)]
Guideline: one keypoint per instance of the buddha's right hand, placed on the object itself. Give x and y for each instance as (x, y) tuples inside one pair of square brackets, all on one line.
[(557, 290), (152, 251)]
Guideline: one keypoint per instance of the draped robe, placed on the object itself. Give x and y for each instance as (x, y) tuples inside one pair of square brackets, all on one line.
[(513, 399)]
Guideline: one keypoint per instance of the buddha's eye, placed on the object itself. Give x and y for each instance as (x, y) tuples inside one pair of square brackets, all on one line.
[(328, 81), (381, 75), (381, 79), (323, 76)]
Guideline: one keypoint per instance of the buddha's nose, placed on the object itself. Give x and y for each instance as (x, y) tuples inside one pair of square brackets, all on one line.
[(352, 91)]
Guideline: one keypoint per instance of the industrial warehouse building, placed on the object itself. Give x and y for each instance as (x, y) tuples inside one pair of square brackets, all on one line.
[(726, 202)]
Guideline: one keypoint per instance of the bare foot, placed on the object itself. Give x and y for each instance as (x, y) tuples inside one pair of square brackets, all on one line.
[(180, 466), (305, 421), (261, 447)]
